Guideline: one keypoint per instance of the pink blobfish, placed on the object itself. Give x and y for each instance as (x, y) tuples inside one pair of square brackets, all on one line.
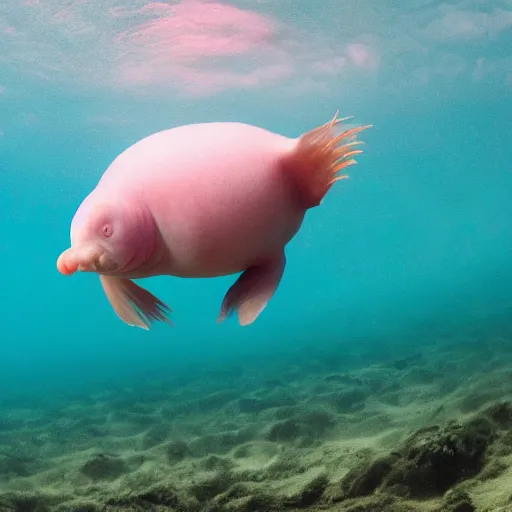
[(204, 200)]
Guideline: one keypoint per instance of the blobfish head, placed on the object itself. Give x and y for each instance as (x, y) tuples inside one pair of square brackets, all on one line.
[(107, 237)]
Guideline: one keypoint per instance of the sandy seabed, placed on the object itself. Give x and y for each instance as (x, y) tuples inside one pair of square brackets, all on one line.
[(362, 427)]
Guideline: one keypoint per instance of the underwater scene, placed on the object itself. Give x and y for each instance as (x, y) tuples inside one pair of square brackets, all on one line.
[(199, 313)]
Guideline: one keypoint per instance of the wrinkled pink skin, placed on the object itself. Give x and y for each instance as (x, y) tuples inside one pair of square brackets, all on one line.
[(199, 200)]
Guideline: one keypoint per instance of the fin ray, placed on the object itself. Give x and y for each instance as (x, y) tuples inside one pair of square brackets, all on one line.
[(319, 156), (252, 291), (133, 304)]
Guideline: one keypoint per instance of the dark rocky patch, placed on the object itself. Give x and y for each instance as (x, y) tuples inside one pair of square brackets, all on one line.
[(428, 464), (15, 465), (349, 400), (208, 488), (365, 478), (176, 451), (160, 497), (24, 502), (287, 430), (457, 500), (501, 414), (309, 494), (316, 423), (435, 458), (104, 467)]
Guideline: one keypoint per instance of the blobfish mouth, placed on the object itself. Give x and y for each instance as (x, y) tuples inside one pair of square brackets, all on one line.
[(102, 264)]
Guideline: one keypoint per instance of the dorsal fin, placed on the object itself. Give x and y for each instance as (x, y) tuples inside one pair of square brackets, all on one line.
[(320, 156)]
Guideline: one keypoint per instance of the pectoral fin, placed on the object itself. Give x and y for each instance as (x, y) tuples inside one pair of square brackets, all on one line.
[(133, 304), (252, 291)]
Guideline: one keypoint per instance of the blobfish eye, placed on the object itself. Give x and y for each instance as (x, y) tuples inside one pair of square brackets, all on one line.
[(106, 230)]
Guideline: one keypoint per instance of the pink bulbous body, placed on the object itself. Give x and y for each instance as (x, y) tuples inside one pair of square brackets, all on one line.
[(217, 193), (204, 200)]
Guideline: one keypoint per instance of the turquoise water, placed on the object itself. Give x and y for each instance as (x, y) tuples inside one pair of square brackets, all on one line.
[(417, 240)]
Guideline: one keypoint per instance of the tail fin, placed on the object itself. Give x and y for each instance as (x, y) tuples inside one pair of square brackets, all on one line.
[(319, 157)]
